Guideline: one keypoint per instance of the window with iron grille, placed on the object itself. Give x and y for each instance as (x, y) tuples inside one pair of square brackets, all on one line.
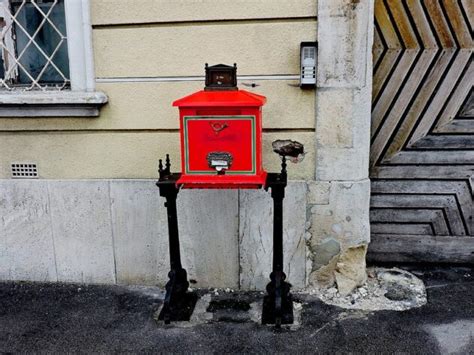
[(46, 59), (34, 45)]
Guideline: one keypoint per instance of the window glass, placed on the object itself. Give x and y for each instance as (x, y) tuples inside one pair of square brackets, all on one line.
[(41, 47)]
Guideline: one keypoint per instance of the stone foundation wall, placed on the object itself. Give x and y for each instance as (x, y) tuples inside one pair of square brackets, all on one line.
[(115, 231)]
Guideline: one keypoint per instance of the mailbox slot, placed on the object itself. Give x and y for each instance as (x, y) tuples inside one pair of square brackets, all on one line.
[(220, 161)]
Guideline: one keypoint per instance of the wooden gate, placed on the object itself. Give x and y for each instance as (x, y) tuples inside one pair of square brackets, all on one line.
[(422, 145)]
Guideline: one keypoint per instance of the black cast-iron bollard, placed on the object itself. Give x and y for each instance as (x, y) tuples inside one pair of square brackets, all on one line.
[(278, 303), (179, 303)]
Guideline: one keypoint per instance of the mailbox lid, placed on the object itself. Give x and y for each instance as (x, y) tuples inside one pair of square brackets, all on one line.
[(238, 98), (205, 136)]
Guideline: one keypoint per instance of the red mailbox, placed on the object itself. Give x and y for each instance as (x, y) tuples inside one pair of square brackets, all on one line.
[(221, 134), (221, 148)]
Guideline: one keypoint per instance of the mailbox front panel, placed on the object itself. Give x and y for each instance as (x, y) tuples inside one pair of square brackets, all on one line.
[(214, 143)]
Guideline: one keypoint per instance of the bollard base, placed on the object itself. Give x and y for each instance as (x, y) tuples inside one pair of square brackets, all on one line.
[(180, 311), (278, 303), (268, 312), (179, 303)]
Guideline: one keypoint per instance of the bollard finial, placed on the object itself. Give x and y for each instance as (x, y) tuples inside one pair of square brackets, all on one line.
[(160, 168), (168, 164)]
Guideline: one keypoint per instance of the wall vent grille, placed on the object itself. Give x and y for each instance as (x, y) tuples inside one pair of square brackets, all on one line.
[(24, 170)]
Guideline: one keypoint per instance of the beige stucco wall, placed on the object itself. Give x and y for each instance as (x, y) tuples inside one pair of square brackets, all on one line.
[(142, 48), (107, 12), (96, 227)]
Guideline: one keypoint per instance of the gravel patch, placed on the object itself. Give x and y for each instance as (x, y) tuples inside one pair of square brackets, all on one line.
[(385, 289)]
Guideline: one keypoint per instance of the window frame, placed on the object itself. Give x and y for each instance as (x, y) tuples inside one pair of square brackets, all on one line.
[(81, 99)]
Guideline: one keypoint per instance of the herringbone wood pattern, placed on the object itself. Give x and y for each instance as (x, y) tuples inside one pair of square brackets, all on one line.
[(422, 147)]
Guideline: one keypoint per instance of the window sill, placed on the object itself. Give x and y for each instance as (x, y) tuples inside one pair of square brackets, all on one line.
[(51, 104)]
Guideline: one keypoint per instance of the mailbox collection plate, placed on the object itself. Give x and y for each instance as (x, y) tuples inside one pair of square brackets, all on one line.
[(234, 135)]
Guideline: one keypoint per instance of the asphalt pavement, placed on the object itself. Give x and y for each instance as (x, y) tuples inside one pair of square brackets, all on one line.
[(71, 318)]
